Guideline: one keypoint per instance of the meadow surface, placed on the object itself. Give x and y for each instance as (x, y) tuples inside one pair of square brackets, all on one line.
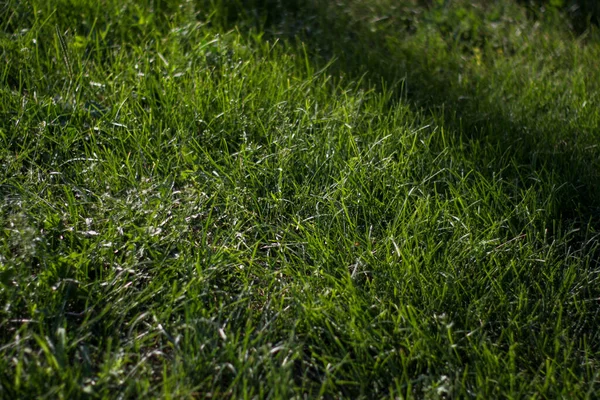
[(299, 199)]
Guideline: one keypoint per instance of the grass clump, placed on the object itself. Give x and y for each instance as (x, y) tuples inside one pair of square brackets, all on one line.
[(289, 199)]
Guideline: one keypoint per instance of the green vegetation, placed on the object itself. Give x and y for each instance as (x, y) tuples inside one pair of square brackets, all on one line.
[(278, 199)]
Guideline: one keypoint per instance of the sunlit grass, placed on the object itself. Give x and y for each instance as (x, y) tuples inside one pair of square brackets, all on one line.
[(274, 199)]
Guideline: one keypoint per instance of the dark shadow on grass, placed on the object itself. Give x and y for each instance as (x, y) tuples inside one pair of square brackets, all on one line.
[(417, 74), (580, 13)]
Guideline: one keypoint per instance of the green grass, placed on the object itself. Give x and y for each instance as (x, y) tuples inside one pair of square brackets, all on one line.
[(268, 199)]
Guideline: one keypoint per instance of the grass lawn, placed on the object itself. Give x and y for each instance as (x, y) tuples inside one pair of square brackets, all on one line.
[(299, 199)]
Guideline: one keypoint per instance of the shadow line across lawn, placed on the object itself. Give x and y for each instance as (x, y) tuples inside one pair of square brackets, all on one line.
[(467, 65)]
